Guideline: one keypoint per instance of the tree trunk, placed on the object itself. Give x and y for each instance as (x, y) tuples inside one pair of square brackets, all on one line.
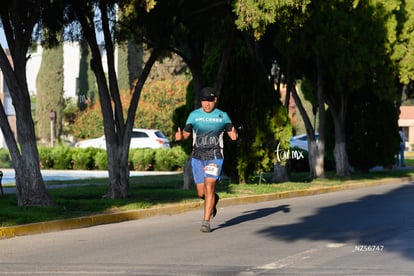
[(319, 166), (280, 173), (188, 176), (313, 153), (118, 171), (316, 160), (341, 159), (317, 148), (118, 155), (30, 187), (340, 154), (117, 133)]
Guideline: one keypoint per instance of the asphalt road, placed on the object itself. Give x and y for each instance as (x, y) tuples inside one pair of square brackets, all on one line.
[(367, 231)]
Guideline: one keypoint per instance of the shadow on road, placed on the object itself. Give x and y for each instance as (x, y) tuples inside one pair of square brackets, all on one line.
[(385, 220), (254, 214)]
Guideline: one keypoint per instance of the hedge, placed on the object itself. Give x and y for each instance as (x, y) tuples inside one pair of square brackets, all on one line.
[(68, 158)]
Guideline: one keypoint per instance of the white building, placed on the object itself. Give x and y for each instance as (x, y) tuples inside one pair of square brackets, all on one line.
[(32, 68), (8, 108), (71, 60)]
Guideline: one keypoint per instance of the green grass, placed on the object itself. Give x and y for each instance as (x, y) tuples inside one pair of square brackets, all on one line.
[(409, 158), (151, 191)]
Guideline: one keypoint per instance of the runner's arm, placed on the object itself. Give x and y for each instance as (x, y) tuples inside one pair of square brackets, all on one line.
[(231, 132), (182, 134)]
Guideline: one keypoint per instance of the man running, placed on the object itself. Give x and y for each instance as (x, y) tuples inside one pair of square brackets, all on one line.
[(207, 124)]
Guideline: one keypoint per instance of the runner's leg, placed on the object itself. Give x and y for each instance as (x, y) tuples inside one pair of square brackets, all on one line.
[(209, 188)]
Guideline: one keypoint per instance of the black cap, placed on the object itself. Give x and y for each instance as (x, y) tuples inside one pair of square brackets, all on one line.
[(207, 94)]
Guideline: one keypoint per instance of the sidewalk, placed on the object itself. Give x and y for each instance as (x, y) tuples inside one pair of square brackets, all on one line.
[(88, 221), (8, 176)]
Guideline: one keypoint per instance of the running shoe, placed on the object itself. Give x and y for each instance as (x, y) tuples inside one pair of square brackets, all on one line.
[(205, 227)]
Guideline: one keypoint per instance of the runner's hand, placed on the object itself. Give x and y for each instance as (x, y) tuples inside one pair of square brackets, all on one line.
[(178, 135), (232, 134)]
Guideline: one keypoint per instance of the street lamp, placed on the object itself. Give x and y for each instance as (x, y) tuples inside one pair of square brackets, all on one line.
[(52, 116)]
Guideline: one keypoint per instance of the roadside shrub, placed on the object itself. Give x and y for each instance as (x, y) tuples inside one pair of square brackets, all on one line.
[(45, 157), (101, 160), (61, 157), (83, 159), (142, 159), (180, 157), (163, 162), (169, 159), (5, 160), (64, 158), (157, 159)]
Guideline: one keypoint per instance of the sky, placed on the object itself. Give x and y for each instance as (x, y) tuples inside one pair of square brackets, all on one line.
[(3, 38), (4, 42)]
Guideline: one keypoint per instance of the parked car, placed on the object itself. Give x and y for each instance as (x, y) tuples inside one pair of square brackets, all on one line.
[(301, 141), (141, 138)]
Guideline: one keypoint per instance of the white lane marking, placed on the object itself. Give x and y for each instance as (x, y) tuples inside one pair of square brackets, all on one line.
[(335, 245), (288, 260)]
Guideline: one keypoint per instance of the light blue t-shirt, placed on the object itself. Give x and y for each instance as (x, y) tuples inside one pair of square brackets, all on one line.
[(208, 129)]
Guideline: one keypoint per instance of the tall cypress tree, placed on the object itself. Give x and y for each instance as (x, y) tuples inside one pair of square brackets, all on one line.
[(83, 84), (130, 64), (87, 89), (122, 69), (49, 96)]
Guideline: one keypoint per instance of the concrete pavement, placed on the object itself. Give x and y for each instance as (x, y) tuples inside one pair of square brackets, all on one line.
[(114, 217), (9, 177)]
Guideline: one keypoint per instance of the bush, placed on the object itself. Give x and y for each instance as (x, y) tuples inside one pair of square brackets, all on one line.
[(101, 160), (83, 159), (157, 159), (142, 159), (163, 160), (61, 157), (169, 159), (180, 157), (5, 160), (45, 157)]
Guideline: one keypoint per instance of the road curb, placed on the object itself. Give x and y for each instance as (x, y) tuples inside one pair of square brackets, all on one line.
[(106, 218)]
